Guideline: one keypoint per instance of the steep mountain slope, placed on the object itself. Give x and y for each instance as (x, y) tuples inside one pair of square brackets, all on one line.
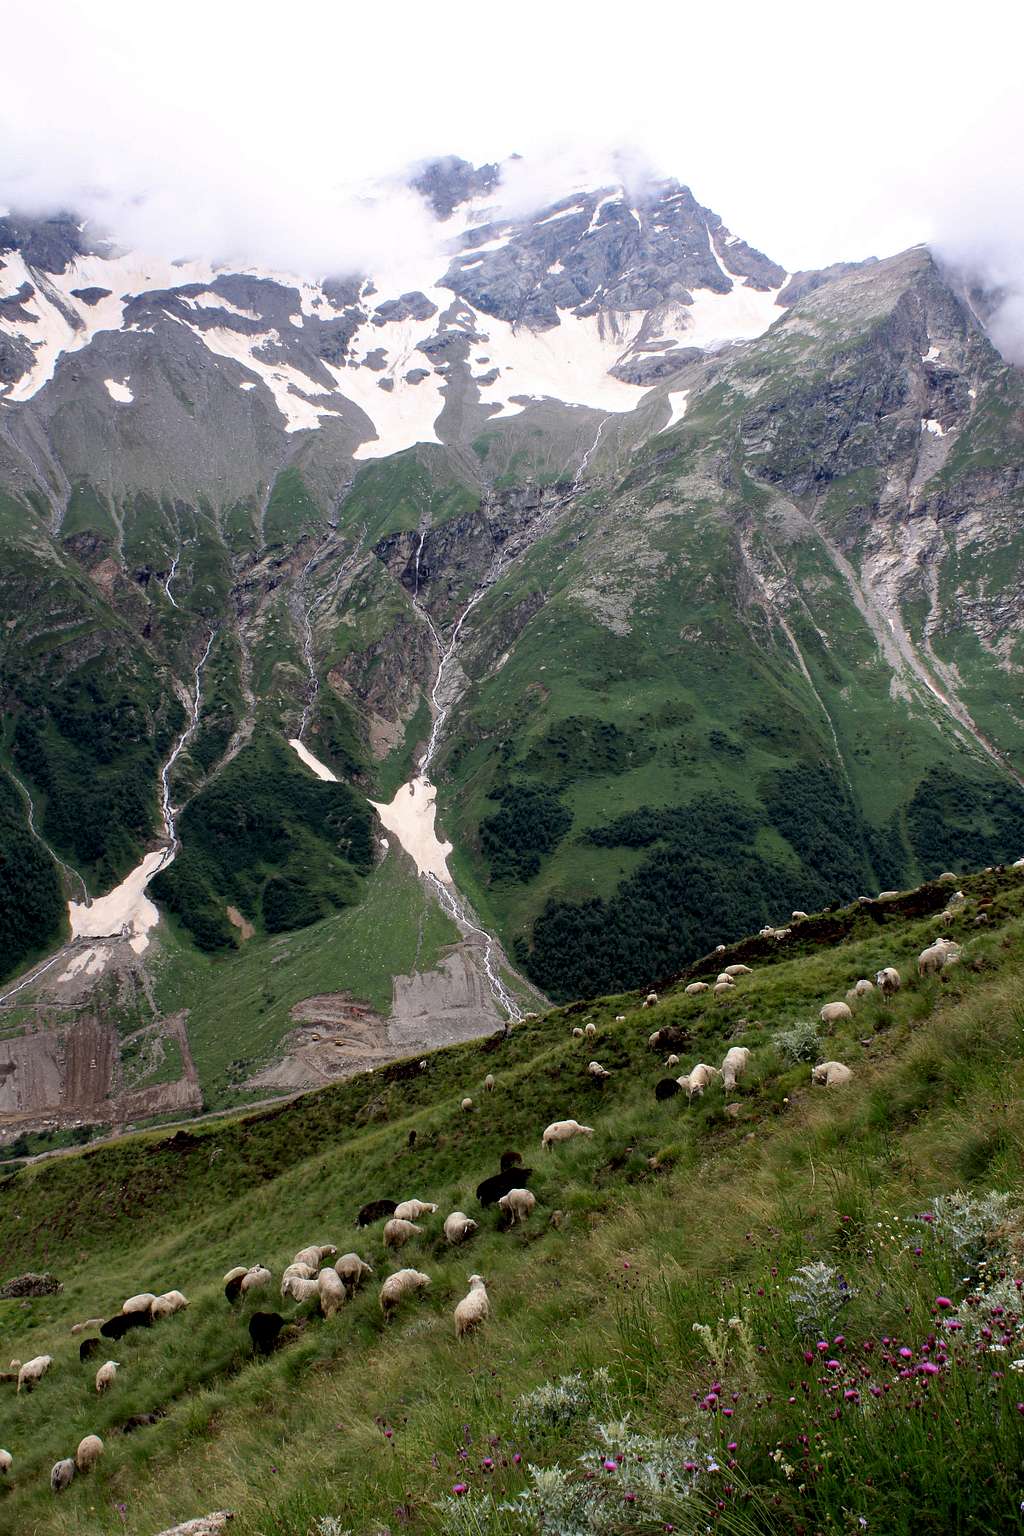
[(651, 1355), (701, 581)]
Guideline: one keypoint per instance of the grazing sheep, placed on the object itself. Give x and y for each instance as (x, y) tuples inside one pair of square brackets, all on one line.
[(831, 1074), (698, 1078), (88, 1348), (167, 1304), (458, 1226), (946, 878), (141, 1303), (620, 1018), (719, 949), (518, 1204), (373, 1211), (33, 1371), (696, 988), (299, 1272), (937, 956), (299, 1288), (235, 1274), (672, 1061), (332, 1292), (314, 1255), (105, 1375), (509, 1159), (255, 1279), (404, 1282), (832, 1013), (666, 1088), (467, 1103), (90, 1322), (90, 1449), (738, 970), (473, 1308), (945, 918), (232, 1290), (489, 1191), (116, 1327), (352, 1271), (722, 988), (398, 1232), (564, 1130), (863, 987), (650, 1001), (724, 977), (6, 1462), (798, 916), (596, 1070), (734, 1064), (888, 982), (887, 895), (264, 1328), (489, 1082), (412, 1210), (590, 1030), (62, 1474), (577, 1033)]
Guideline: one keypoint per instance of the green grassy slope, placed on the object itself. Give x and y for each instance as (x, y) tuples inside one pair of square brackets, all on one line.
[(672, 1216)]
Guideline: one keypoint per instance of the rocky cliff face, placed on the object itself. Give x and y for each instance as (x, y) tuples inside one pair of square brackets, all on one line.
[(724, 566)]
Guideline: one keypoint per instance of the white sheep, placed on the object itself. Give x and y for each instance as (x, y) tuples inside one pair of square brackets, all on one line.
[(458, 1226), (404, 1282), (577, 1033), (298, 1288), (798, 916), (620, 1018), (564, 1130), (398, 1232), (90, 1322), (863, 987), (734, 1065), (33, 1371), (314, 1255), (143, 1302), (489, 1082), (831, 1074), (946, 878), (473, 1308), (6, 1462), (946, 917), (332, 1292), (590, 1030), (832, 1013), (105, 1375), (650, 1001), (90, 1449), (62, 1474), (299, 1272), (167, 1304), (518, 1204), (672, 1061), (724, 976), (888, 981), (697, 1079), (937, 956), (467, 1104), (412, 1210), (887, 895), (353, 1271), (695, 988), (596, 1070), (723, 988), (255, 1279), (719, 949), (236, 1273), (738, 970)]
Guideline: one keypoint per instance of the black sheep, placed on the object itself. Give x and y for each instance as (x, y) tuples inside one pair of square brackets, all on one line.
[(510, 1160), (264, 1328), (124, 1322), (374, 1211), (233, 1289), (490, 1191), (87, 1349), (666, 1088)]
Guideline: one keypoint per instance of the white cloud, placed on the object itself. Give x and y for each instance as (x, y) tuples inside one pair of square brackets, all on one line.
[(240, 129)]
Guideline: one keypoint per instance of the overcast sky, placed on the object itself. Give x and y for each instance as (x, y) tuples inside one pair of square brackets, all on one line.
[(819, 131)]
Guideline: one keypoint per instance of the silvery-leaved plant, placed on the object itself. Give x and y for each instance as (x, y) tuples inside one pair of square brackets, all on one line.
[(817, 1295)]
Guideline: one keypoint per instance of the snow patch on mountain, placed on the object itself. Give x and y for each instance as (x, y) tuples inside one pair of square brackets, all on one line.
[(568, 362), (320, 769), (677, 407), (289, 387), (119, 391)]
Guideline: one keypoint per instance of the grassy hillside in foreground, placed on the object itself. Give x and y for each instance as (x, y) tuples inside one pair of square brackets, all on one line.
[(611, 1389)]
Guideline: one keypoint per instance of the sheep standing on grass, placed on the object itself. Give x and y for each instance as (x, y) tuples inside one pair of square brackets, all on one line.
[(299, 1289), (352, 1270), (299, 1272), (315, 1255), (934, 959), (734, 1064), (489, 1082), (90, 1449), (235, 1274), (696, 988), (167, 1304), (518, 1204), (6, 1462), (564, 1130), (33, 1371), (590, 1030), (141, 1303), (404, 1282), (672, 1061), (62, 1474), (831, 1074), (473, 1308), (398, 1232), (862, 988), (467, 1104), (596, 1070), (90, 1322), (255, 1279), (105, 1375), (888, 982), (458, 1227), (577, 1033), (332, 1292), (697, 1079), (723, 988), (651, 1000), (724, 979), (412, 1210), (834, 1013)]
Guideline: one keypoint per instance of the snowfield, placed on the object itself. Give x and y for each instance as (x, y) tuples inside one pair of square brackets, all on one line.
[(410, 816)]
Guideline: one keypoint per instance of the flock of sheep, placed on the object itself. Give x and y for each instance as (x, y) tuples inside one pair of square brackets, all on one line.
[(307, 1278)]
